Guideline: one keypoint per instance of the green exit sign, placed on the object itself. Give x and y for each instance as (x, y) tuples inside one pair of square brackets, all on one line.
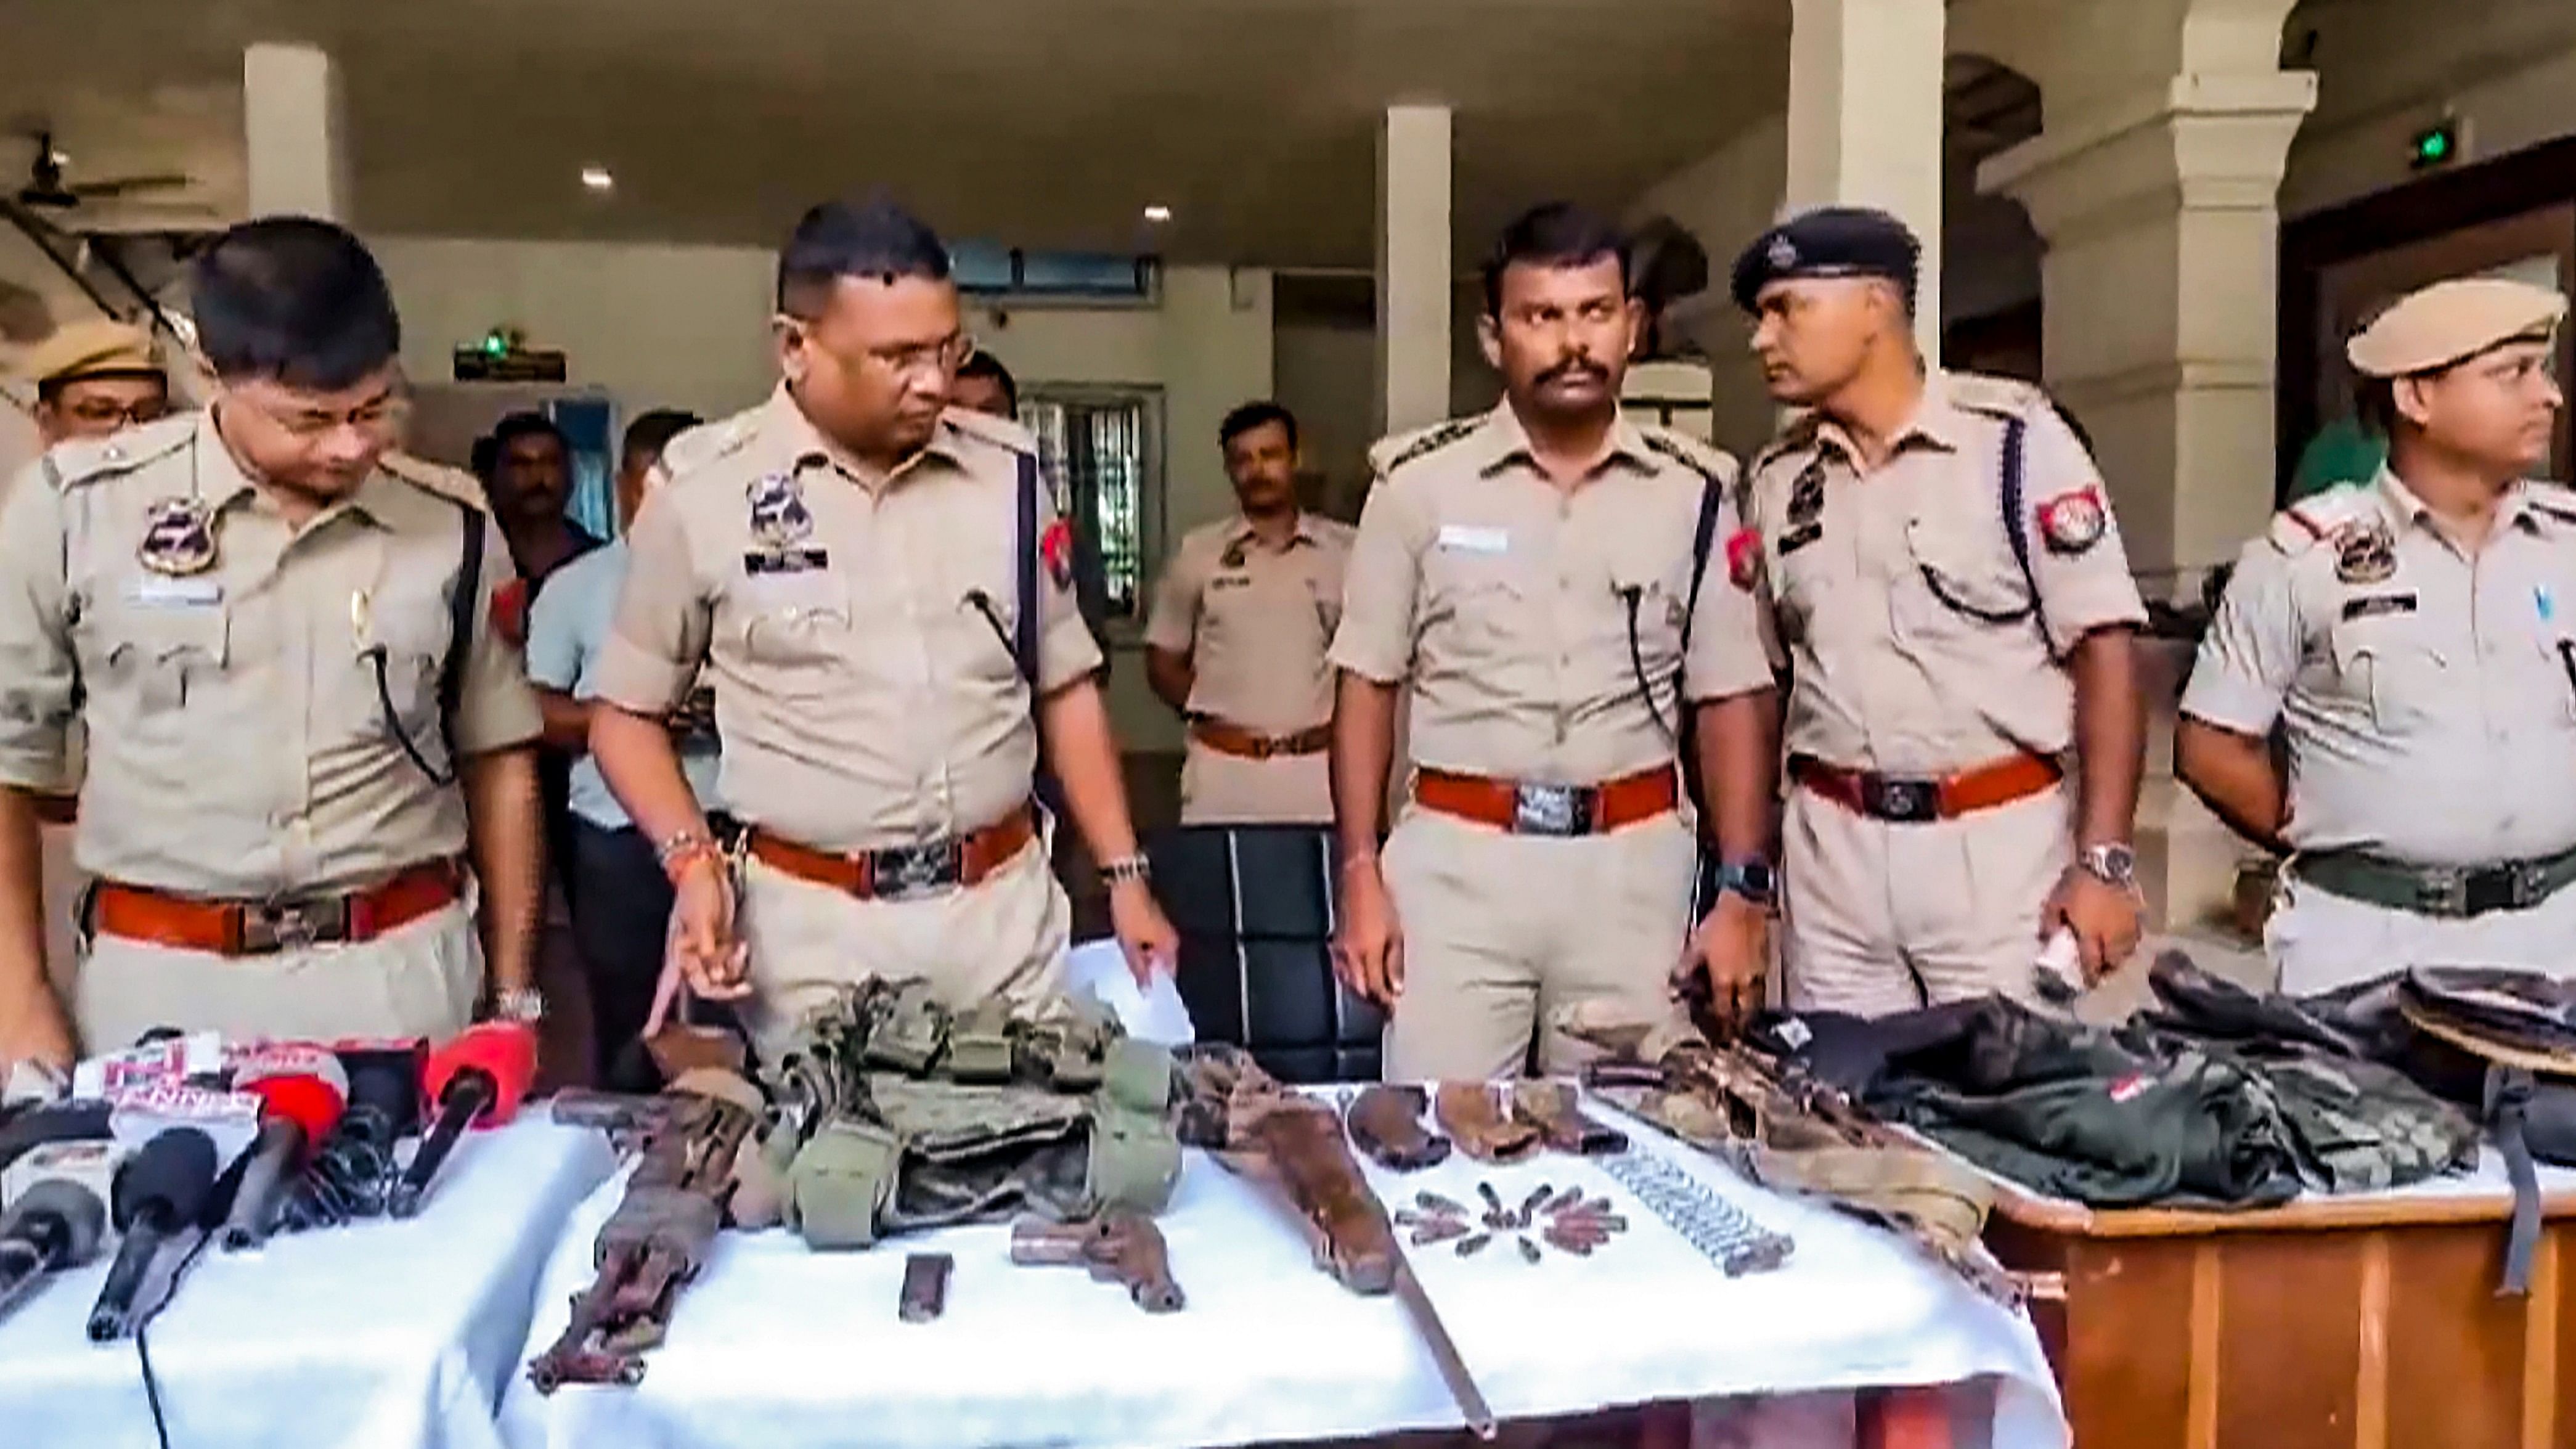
[(2436, 146)]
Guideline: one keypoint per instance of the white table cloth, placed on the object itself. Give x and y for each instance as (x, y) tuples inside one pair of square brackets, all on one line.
[(381, 1335), (776, 1347)]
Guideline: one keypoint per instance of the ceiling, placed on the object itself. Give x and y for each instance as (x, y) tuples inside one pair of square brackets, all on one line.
[(1030, 122)]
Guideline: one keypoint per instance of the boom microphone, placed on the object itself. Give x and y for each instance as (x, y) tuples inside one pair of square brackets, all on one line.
[(477, 1080), (160, 1191), (297, 1111), (56, 1224)]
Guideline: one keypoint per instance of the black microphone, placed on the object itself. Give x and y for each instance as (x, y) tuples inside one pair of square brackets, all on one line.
[(55, 1224), (476, 1079), (160, 1190), (53, 1122)]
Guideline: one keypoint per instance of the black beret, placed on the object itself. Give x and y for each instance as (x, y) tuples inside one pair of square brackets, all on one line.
[(1832, 241)]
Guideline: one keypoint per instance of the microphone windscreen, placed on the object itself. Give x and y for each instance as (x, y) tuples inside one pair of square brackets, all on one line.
[(506, 1051), (78, 1209), (176, 1168), (386, 1078), (307, 1101)]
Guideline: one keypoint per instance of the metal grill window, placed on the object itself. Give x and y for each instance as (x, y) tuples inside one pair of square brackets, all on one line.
[(1100, 451)]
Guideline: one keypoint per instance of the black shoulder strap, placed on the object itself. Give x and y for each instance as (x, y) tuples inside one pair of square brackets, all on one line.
[(461, 600), (1703, 542), (1024, 621), (2016, 533)]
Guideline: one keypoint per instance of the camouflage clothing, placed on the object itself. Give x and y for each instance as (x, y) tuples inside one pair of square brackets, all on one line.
[(2218, 1097)]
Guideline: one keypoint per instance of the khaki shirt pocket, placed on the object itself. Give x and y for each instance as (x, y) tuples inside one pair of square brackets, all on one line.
[(793, 631), (154, 660), (1964, 582), (1648, 570), (1473, 596), (2551, 680), (412, 637), (2401, 678)]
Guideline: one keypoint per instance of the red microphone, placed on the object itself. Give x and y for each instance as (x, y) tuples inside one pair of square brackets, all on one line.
[(297, 1111), (477, 1080)]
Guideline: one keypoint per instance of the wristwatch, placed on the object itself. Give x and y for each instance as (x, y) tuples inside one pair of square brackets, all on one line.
[(1752, 878), (523, 1004), (2112, 864), (1126, 868)]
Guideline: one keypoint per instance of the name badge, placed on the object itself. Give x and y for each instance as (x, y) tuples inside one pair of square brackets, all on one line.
[(786, 561), (1459, 538), (2375, 604), (173, 591)]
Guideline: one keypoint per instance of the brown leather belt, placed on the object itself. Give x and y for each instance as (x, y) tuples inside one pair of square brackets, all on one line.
[(1524, 808), (1912, 800), (260, 928), (902, 872), (1246, 744)]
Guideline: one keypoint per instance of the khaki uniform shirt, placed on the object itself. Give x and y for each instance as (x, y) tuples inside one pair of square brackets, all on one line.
[(2428, 695), (857, 629), (239, 745), (1256, 624), (1505, 601), (1895, 595)]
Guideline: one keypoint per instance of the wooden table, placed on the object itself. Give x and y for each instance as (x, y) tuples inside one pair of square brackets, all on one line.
[(2367, 1322)]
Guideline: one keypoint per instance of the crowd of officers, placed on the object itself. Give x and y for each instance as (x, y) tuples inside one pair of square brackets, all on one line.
[(1893, 657)]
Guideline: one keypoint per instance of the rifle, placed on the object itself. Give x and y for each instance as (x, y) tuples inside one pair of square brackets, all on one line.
[(659, 1236), (1118, 1247), (1780, 1126), (1294, 1146)]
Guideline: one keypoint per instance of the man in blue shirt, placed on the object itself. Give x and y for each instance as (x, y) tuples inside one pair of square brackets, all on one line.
[(621, 902)]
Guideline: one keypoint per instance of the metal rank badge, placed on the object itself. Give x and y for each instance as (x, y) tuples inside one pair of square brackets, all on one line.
[(779, 517), (178, 538), (2365, 553)]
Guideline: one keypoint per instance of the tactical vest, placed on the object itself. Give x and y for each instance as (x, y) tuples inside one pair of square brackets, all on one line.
[(894, 1113)]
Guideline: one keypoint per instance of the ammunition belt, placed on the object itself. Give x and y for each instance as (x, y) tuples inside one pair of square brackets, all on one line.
[(1722, 1232)]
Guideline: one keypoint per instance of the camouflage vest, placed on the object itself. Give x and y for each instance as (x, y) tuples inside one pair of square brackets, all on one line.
[(895, 1113)]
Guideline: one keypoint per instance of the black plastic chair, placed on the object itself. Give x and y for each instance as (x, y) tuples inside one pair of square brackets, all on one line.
[(1254, 906)]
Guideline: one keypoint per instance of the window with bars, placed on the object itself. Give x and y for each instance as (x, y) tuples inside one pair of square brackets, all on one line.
[(1101, 451)]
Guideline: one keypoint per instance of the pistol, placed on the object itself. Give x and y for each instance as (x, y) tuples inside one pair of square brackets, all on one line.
[(1117, 1247)]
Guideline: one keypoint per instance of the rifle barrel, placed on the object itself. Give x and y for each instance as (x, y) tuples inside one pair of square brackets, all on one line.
[(1444, 1353)]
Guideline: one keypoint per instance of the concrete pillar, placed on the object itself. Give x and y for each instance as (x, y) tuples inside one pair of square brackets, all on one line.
[(2160, 281), (295, 132), (1865, 116), (1413, 266)]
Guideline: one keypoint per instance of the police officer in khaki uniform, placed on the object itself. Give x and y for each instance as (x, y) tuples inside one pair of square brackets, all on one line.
[(845, 562), (1529, 575), (94, 378), (1940, 573), (250, 610), (1242, 619), (2414, 640)]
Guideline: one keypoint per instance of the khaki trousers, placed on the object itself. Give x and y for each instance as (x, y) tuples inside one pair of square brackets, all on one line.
[(2319, 940), (1502, 932), (421, 979), (1880, 917), (1005, 936), (1222, 789)]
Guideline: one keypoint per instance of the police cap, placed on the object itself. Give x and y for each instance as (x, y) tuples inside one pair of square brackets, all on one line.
[(1832, 241), (2451, 322), (94, 347)]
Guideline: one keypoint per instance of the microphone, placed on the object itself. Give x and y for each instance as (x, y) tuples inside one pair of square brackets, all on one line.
[(477, 1080), (56, 1224), (59, 1122), (160, 1191), (297, 1111)]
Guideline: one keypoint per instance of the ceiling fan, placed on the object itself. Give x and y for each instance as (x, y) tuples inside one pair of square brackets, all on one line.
[(47, 190)]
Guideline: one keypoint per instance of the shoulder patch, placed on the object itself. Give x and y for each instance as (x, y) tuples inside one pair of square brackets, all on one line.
[(1708, 462), (1403, 448), (985, 428), (2000, 397), (454, 484), (2312, 521), (708, 442), (86, 460)]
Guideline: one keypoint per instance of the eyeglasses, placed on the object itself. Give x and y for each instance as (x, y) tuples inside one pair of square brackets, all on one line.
[(107, 412), (934, 359)]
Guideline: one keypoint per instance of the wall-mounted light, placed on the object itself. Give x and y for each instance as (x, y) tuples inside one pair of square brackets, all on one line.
[(597, 178), (1158, 214)]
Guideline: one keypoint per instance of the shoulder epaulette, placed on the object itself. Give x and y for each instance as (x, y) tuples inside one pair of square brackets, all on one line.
[(2311, 521), (1403, 448), (2001, 397), (1708, 462), (86, 460), (2554, 499), (454, 484), (708, 442), (986, 428), (1800, 433)]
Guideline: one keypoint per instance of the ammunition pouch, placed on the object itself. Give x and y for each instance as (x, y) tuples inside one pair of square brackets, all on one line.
[(979, 1047), (909, 1035), (840, 1183)]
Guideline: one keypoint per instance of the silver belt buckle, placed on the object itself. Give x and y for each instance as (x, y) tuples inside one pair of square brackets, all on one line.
[(909, 872), (1552, 810), (271, 926)]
